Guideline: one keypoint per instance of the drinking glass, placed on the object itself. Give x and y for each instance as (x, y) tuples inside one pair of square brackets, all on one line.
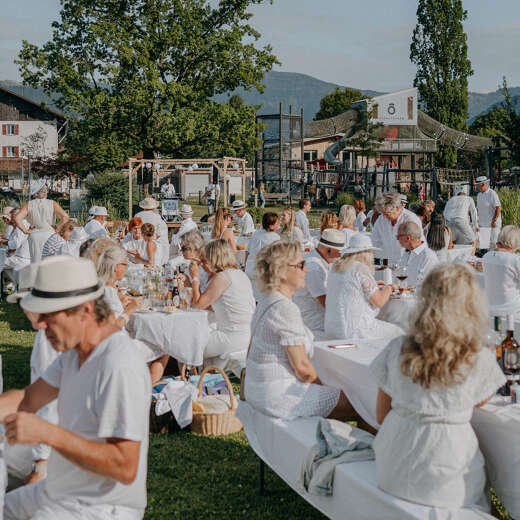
[(402, 274)]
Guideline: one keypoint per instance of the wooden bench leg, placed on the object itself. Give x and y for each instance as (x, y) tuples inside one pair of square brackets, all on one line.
[(261, 475)]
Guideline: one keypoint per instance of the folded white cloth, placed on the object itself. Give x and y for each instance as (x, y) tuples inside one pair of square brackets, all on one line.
[(176, 397)]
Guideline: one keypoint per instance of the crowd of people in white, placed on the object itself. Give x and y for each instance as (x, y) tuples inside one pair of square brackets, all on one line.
[(78, 434)]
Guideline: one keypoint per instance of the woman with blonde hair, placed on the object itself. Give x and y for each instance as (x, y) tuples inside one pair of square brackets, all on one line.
[(289, 230), (360, 208), (221, 227), (502, 273), (354, 298), (230, 295), (280, 378), (149, 255), (54, 243), (347, 220), (329, 220), (430, 381)]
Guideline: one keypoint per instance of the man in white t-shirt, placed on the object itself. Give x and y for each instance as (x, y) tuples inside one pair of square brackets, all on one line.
[(417, 258), (168, 189), (243, 219), (489, 209), (149, 215), (384, 234), (301, 218), (96, 227), (97, 467), (461, 217), (212, 196), (311, 299)]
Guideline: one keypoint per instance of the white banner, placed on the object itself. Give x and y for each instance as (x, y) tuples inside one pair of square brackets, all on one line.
[(397, 108)]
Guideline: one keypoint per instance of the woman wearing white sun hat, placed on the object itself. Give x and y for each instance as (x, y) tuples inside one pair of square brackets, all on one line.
[(354, 297), (149, 215)]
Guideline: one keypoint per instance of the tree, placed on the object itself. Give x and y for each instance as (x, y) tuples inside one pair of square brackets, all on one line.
[(139, 75), (490, 124), (439, 50), (337, 102), (512, 123)]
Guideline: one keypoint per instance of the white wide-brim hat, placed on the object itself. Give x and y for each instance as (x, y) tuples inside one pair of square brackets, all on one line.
[(238, 204), (149, 203), (92, 210), (357, 244), (26, 279), (100, 211), (36, 186), (7, 211), (333, 238), (482, 179), (79, 235), (186, 209), (62, 282)]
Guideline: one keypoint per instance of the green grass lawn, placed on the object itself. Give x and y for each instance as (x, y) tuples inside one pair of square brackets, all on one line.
[(189, 476)]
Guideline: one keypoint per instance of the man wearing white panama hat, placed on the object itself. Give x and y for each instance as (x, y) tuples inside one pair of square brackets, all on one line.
[(96, 227), (97, 467), (243, 218), (149, 215), (489, 209)]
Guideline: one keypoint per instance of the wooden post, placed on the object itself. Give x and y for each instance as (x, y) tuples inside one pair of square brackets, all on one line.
[(244, 180), (130, 164)]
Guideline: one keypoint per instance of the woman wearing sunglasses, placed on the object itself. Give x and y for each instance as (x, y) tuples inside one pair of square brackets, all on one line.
[(280, 378), (192, 249), (354, 298)]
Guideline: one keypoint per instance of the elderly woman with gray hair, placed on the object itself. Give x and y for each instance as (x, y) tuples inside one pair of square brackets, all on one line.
[(384, 235), (502, 273), (41, 214), (281, 380)]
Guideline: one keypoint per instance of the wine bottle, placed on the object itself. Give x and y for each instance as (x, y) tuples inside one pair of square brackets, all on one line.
[(510, 352)]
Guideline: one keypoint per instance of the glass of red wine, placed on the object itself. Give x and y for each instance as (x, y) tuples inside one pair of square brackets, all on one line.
[(402, 274)]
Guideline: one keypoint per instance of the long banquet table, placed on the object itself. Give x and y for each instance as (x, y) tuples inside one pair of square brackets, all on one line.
[(497, 424)]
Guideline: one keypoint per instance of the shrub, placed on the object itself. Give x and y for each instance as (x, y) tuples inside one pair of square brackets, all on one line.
[(256, 213), (344, 198), (510, 200), (110, 189)]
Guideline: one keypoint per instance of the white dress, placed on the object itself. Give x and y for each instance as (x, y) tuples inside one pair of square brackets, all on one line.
[(227, 345), (361, 217), (40, 214), (271, 385), (349, 313), (502, 281), (426, 450), (260, 239), (161, 231)]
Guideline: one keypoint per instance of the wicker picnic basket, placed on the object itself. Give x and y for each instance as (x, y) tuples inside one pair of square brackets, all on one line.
[(212, 423)]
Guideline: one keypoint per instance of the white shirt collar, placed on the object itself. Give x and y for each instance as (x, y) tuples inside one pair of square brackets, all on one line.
[(419, 249)]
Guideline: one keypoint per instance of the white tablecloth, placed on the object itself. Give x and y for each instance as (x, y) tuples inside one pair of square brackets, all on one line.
[(182, 335), (497, 431), (397, 310)]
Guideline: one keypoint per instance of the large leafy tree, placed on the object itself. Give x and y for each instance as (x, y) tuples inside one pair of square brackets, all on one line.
[(439, 50), (490, 124), (139, 75), (337, 102), (512, 123)]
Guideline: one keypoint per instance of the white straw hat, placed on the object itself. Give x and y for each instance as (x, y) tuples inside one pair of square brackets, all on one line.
[(404, 198), (92, 210), (482, 179), (36, 186), (26, 279), (357, 243), (79, 235), (238, 204), (186, 209), (62, 282), (149, 203), (100, 211), (333, 238)]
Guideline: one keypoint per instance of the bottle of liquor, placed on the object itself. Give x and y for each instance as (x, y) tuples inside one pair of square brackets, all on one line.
[(510, 352), (498, 330), (176, 298)]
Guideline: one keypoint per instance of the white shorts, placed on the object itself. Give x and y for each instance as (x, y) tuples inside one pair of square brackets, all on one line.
[(32, 503)]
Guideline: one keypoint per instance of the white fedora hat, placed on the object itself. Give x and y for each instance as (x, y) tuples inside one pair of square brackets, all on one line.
[(482, 179), (100, 211), (26, 279), (79, 235), (404, 198), (333, 238), (186, 209), (358, 243), (149, 203), (238, 204), (62, 282)]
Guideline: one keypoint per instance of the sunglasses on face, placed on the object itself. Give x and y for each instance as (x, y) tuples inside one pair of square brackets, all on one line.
[(299, 265), (184, 248)]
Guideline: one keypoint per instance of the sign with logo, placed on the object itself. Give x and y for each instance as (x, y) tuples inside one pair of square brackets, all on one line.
[(397, 108)]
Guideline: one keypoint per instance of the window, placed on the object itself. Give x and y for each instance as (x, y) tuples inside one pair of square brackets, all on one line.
[(10, 151), (310, 155), (10, 129)]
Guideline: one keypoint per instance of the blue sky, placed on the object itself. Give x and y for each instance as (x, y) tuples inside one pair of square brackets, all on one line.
[(362, 44)]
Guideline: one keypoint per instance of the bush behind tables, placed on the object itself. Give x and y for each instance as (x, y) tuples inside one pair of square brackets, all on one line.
[(510, 200)]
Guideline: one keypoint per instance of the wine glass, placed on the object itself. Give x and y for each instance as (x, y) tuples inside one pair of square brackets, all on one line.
[(402, 274)]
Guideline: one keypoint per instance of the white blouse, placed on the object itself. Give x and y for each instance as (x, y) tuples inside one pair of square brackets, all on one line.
[(112, 299), (502, 281)]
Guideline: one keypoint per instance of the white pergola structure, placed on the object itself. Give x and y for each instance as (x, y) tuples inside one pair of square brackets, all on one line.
[(164, 167)]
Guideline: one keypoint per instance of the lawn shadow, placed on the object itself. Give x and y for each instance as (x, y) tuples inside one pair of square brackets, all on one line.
[(12, 314)]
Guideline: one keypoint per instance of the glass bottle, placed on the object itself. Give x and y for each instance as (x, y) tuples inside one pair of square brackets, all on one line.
[(510, 352)]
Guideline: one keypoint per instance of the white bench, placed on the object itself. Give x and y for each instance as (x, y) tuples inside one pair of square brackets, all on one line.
[(283, 446)]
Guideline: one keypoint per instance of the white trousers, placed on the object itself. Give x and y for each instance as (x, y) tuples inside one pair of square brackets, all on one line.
[(32, 503)]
